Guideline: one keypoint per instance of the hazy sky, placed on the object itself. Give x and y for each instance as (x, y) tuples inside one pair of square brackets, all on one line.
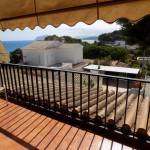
[(80, 29)]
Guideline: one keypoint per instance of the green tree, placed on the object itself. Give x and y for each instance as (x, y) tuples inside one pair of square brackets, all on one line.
[(137, 32), (92, 51), (52, 37), (16, 56), (110, 37), (68, 39), (120, 54)]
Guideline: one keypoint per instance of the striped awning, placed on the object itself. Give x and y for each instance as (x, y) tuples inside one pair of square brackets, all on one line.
[(31, 13)]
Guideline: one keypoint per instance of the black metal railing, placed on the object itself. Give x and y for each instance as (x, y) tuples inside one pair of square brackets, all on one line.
[(83, 96)]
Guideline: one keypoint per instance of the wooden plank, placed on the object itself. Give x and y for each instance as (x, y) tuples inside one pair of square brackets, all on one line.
[(26, 124), (57, 140), (116, 146), (50, 136), (77, 140), (126, 148), (38, 139), (20, 122), (15, 120), (96, 143), (68, 138), (31, 127), (7, 110), (7, 115), (8, 143), (7, 122), (106, 144), (86, 141), (37, 130)]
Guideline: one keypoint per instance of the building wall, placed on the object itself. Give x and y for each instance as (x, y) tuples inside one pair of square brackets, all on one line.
[(33, 57), (78, 55), (39, 57), (73, 56), (52, 56)]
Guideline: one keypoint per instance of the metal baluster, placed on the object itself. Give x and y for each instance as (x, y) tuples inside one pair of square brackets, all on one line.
[(32, 85), (116, 100), (26, 68), (23, 83), (137, 109), (6, 70), (37, 86), (1, 75), (53, 80), (19, 81), (97, 96), (73, 90), (66, 84), (106, 100), (43, 87), (88, 94), (48, 91), (81, 94), (15, 80), (147, 120), (4, 78), (126, 101), (60, 91), (12, 84)]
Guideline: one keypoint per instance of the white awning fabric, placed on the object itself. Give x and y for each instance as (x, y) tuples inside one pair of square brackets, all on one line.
[(31, 13)]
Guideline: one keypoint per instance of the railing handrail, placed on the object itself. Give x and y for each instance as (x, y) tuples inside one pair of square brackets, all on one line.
[(80, 72)]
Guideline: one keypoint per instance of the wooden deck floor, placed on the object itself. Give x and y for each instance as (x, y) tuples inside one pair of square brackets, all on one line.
[(21, 129)]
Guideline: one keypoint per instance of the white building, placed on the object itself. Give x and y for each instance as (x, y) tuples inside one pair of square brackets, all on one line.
[(47, 53)]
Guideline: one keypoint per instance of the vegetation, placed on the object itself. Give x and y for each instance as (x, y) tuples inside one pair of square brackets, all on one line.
[(105, 62), (16, 56), (67, 39), (92, 51), (85, 83), (137, 33), (110, 37)]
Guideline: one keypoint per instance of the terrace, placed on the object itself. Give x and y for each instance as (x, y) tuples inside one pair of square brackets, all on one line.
[(70, 96), (22, 129)]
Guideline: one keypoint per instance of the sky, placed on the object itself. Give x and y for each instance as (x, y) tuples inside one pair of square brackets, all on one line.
[(79, 30)]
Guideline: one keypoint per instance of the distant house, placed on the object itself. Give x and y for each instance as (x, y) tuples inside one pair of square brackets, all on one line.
[(120, 44), (133, 47), (4, 56), (145, 60), (47, 53)]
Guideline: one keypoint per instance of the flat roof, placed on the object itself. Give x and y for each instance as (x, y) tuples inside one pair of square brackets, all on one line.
[(113, 69)]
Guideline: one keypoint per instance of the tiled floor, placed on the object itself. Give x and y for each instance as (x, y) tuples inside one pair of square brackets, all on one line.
[(22, 129)]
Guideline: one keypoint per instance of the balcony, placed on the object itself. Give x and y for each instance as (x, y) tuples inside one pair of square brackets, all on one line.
[(21, 128), (79, 98)]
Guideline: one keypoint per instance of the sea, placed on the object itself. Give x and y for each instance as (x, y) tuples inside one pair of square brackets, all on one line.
[(89, 41), (13, 45)]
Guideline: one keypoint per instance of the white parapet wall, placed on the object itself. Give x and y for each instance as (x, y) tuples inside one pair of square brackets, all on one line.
[(66, 66)]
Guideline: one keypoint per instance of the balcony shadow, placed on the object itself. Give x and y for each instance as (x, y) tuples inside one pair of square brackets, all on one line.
[(16, 139)]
